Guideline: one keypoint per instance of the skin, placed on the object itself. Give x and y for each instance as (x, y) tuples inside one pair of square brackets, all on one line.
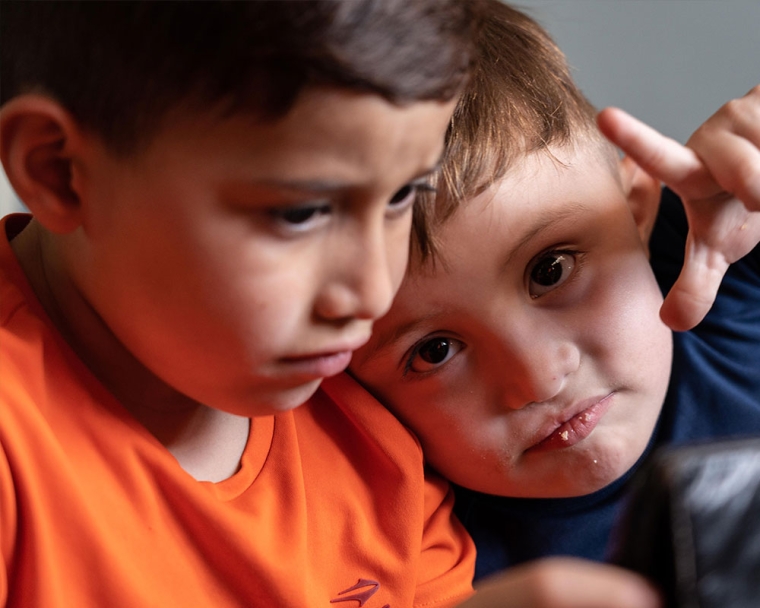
[(487, 362), (565, 583), (224, 270)]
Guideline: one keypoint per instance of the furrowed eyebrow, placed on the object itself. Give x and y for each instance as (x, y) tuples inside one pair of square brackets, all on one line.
[(303, 185), (317, 185)]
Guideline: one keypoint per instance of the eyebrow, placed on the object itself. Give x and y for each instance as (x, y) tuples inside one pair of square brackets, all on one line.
[(543, 222)]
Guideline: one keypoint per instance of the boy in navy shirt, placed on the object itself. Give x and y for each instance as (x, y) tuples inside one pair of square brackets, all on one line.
[(526, 346)]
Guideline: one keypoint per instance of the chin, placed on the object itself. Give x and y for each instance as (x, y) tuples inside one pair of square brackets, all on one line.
[(297, 396), (582, 475), (290, 398), (579, 485), (601, 471), (268, 401)]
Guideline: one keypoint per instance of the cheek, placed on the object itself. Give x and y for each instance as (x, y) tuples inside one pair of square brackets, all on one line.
[(426, 409), (458, 431), (632, 346), (624, 305)]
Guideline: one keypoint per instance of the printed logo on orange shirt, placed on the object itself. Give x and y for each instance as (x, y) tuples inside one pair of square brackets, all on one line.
[(354, 594)]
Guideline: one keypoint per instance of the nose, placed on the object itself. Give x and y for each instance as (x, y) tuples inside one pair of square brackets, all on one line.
[(539, 359), (364, 275)]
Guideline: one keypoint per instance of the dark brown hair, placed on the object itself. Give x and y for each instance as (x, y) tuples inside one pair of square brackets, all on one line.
[(119, 66), (520, 98)]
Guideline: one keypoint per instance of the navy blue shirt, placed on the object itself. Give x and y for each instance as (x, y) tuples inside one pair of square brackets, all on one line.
[(714, 391)]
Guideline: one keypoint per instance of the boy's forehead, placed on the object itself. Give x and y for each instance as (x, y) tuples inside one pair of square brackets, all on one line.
[(551, 178), (329, 131)]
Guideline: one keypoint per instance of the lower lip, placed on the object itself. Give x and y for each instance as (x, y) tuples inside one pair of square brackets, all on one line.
[(321, 366), (576, 429)]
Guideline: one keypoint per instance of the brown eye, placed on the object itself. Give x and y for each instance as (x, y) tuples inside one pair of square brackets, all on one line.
[(434, 352), (549, 272), (402, 194), (300, 218)]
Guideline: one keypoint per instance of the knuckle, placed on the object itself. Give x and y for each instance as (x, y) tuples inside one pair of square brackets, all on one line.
[(734, 107)]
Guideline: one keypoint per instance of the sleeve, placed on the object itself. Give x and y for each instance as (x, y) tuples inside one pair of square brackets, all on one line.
[(448, 553), (668, 241)]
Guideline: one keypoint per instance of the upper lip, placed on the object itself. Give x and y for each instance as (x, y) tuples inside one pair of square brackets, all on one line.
[(564, 415)]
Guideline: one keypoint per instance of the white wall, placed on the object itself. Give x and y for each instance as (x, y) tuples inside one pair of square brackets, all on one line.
[(671, 63)]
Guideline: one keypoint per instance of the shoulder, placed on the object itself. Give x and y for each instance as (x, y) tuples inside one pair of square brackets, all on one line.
[(351, 416)]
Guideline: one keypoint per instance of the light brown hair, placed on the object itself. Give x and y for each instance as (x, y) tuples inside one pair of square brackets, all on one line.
[(520, 99)]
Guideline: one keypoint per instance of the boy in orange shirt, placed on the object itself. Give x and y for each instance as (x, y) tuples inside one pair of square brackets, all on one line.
[(221, 198)]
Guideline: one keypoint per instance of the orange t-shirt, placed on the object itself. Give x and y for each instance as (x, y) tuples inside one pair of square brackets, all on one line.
[(329, 508)]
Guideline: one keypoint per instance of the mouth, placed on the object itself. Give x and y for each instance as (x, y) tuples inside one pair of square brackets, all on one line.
[(319, 366), (575, 428), (322, 364)]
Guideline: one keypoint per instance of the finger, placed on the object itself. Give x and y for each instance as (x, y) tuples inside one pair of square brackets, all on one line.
[(729, 145), (665, 159), (733, 160), (566, 583), (740, 116), (696, 288)]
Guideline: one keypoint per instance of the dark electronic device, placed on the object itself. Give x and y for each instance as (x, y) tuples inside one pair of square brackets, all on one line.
[(692, 524)]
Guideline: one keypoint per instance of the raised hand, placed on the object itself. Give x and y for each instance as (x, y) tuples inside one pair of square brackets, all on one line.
[(717, 176)]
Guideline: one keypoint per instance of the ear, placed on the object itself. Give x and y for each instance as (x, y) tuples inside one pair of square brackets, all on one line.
[(643, 194), (39, 142)]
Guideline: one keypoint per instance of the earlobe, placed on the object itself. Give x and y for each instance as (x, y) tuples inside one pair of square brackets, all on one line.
[(643, 194), (38, 141)]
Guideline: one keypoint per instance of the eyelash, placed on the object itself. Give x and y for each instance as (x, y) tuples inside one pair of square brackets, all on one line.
[(415, 188), (290, 217), (282, 214)]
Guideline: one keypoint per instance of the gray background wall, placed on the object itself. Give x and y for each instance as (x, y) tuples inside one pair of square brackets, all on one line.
[(671, 63)]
